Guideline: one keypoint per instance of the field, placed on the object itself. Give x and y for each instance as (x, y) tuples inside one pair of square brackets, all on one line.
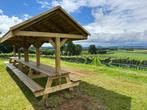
[(101, 87), (136, 54)]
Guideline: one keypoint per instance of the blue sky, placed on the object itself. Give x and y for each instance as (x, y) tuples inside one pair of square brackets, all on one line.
[(110, 22)]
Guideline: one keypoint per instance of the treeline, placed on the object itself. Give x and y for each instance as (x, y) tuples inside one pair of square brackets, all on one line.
[(92, 49), (68, 49), (5, 48)]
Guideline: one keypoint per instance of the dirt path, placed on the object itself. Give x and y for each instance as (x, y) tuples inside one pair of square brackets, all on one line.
[(78, 73)]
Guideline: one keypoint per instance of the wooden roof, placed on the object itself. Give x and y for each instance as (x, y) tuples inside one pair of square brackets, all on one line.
[(53, 23)]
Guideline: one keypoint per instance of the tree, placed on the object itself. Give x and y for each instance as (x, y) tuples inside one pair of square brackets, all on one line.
[(101, 51), (78, 49), (5, 48), (92, 49), (71, 49), (63, 49)]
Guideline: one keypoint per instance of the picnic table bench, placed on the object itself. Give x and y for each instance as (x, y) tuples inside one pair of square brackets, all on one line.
[(45, 71), (32, 85)]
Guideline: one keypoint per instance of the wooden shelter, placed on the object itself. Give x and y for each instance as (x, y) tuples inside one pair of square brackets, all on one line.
[(54, 26)]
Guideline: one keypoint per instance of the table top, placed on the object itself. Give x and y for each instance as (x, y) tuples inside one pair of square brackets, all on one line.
[(45, 69)]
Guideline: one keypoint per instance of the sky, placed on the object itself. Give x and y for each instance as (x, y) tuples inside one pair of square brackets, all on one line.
[(110, 22)]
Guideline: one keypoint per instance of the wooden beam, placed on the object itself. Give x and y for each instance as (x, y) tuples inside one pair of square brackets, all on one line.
[(7, 36), (57, 55), (48, 34), (56, 88), (52, 42), (63, 42)]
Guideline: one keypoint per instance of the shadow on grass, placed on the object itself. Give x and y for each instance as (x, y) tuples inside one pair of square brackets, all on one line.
[(109, 100)]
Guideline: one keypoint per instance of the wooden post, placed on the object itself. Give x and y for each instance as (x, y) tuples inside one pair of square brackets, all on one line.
[(26, 51), (19, 53), (38, 56), (14, 51), (37, 45), (26, 54), (57, 55)]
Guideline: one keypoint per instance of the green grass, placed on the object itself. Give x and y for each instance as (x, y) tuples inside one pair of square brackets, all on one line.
[(111, 87), (136, 54)]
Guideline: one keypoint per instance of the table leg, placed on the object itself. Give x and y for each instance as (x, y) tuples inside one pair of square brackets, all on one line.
[(68, 81), (48, 84)]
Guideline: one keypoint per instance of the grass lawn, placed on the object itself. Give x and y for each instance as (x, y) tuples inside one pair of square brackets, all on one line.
[(110, 88)]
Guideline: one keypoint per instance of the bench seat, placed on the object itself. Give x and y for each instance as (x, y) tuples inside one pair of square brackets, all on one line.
[(31, 84)]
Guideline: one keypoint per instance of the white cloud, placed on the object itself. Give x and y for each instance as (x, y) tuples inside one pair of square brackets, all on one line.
[(43, 3), (115, 21), (120, 22), (1, 12), (26, 16), (70, 5), (7, 21)]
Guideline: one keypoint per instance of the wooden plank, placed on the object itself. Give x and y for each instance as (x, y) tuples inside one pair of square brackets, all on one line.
[(56, 88), (7, 36), (74, 79), (48, 34), (45, 69), (10, 66), (32, 85)]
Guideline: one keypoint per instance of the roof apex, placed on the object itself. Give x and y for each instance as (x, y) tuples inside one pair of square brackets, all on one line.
[(44, 14)]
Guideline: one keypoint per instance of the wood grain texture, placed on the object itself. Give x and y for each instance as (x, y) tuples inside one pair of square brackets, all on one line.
[(32, 85)]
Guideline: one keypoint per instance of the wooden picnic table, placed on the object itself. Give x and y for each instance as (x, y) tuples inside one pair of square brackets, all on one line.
[(18, 65), (42, 68)]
